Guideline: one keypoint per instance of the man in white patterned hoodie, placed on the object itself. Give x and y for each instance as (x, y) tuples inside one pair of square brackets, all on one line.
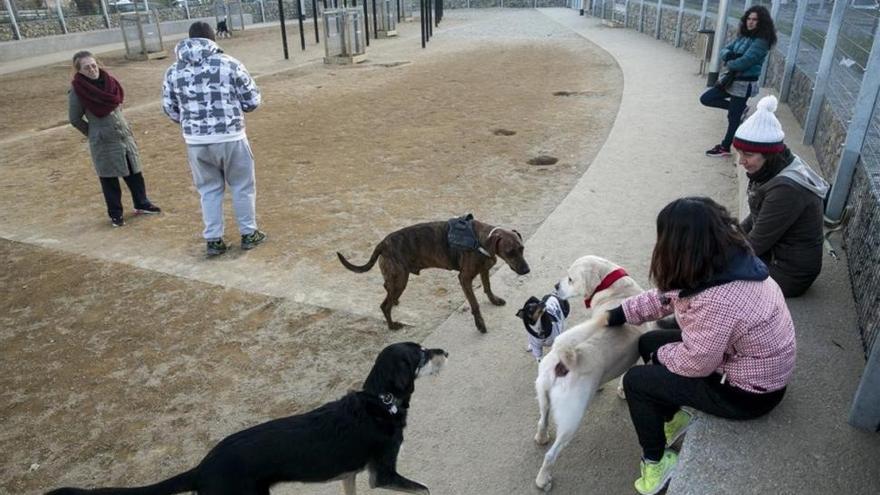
[(206, 91)]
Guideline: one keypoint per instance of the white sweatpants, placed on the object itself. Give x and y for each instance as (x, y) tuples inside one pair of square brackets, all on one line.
[(215, 165)]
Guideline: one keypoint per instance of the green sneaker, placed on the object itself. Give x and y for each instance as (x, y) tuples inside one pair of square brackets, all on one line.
[(675, 427), (252, 240), (655, 475), (215, 247)]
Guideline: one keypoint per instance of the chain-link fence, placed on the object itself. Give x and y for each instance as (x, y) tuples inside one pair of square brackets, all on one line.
[(24, 19)]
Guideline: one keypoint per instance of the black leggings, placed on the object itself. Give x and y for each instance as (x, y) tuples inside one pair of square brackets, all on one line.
[(654, 394), (113, 193), (735, 106)]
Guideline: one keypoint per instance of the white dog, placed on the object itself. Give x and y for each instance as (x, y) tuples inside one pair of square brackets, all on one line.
[(586, 356)]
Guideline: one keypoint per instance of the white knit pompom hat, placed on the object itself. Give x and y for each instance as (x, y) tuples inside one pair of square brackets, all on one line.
[(761, 132)]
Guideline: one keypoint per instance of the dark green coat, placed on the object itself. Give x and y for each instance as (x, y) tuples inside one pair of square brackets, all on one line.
[(110, 139), (785, 226)]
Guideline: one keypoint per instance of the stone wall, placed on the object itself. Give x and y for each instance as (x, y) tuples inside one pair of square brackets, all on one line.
[(668, 21), (862, 242)]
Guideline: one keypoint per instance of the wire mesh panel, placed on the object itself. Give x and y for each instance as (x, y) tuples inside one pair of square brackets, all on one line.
[(406, 10), (142, 35), (618, 12), (387, 17), (851, 58), (235, 16), (354, 37), (332, 34), (345, 40)]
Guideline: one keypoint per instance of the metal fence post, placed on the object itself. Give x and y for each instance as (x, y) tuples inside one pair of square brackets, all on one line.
[(657, 24), (865, 411), (678, 23), (793, 47), (703, 12), (262, 11), (855, 134), (11, 12), (748, 4), (821, 85), (720, 40), (642, 17), (186, 7), (61, 16), (774, 13), (106, 13), (626, 14)]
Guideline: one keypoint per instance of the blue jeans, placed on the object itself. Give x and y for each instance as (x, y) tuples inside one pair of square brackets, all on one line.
[(735, 106)]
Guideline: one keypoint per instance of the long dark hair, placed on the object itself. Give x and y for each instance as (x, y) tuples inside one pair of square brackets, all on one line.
[(695, 236), (766, 30)]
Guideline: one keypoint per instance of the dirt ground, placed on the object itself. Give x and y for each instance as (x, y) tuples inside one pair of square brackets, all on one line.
[(126, 354)]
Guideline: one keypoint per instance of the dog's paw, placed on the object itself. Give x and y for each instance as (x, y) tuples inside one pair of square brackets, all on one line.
[(480, 324), (497, 301), (542, 438), (544, 481), (394, 325)]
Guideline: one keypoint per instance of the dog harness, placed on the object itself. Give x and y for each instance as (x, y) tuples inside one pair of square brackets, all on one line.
[(462, 237), (551, 324), (606, 283)]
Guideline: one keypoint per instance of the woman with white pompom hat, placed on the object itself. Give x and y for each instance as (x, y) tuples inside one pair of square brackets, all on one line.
[(786, 199)]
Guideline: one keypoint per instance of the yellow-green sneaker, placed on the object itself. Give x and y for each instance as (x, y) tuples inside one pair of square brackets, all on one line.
[(675, 427), (655, 475)]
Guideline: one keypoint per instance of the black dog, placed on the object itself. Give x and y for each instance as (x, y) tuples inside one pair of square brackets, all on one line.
[(222, 30), (362, 430)]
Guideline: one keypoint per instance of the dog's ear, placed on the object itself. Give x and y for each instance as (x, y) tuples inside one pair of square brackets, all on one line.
[(517, 234), (520, 312)]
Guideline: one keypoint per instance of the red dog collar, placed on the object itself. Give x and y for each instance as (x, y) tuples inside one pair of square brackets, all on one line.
[(606, 283)]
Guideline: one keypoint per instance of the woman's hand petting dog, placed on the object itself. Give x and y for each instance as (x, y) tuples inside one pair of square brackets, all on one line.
[(362, 430)]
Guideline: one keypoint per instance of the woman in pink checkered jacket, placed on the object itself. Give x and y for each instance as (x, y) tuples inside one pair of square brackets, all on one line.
[(735, 350)]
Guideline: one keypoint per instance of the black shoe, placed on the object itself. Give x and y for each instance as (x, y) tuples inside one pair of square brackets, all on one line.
[(668, 323), (216, 247), (718, 151), (252, 240), (147, 209), (117, 221)]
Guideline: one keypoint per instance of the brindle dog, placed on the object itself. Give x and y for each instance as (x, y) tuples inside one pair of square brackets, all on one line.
[(424, 245)]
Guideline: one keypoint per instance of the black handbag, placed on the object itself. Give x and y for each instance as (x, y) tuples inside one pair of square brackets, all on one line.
[(725, 80)]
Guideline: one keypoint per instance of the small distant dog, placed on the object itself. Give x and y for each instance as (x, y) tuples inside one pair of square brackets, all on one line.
[(461, 244), (222, 30), (362, 430), (544, 320)]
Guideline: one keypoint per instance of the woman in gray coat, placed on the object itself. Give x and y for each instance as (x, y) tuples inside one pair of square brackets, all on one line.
[(95, 109)]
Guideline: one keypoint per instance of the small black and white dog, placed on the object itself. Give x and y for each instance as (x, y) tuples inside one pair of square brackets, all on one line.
[(362, 430), (544, 320), (222, 30)]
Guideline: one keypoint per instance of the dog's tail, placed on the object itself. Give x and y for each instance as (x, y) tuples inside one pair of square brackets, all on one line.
[(183, 482), (569, 353), (568, 359), (362, 268)]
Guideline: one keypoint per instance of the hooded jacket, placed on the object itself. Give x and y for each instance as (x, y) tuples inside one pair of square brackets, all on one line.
[(785, 222), (736, 325), (206, 91)]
